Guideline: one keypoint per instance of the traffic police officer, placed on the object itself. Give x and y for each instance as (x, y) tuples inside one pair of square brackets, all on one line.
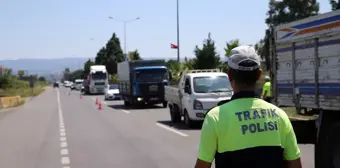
[(266, 93), (247, 132)]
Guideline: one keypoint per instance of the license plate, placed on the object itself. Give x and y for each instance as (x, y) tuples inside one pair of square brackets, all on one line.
[(153, 88), (154, 98)]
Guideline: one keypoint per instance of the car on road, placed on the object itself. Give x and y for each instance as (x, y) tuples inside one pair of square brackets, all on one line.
[(112, 92), (56, 85)]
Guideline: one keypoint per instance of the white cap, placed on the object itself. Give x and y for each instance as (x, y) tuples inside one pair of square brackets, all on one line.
[(241, 55)]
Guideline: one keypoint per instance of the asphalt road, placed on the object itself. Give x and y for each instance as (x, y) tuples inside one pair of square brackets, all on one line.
[(62, 130)]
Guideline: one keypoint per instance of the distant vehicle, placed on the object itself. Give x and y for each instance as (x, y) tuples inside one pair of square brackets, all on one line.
[(143, 81), (97, 80), (197, 92), (68, 83), (55, 85), (112, 92), (78, 84), (73, 86)]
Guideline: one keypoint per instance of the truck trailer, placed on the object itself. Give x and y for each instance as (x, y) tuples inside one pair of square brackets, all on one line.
[(143, 81), (306, 76)]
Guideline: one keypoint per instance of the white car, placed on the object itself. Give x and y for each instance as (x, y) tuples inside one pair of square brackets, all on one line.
[(112, 92)]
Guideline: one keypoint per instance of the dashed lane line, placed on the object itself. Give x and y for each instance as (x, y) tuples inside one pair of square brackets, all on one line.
[(125, 111), (171, 129), (64, 155)]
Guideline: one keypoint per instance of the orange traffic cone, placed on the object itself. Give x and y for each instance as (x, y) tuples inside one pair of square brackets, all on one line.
[(97, 102), (100, 106), (81, 97)]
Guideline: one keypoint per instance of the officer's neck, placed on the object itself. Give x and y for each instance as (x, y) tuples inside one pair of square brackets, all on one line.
[(248, 89)]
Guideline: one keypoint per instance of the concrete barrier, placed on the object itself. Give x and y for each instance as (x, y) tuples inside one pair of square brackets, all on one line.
[(13, 101)]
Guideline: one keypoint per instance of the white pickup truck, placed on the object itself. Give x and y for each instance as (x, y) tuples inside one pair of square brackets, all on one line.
[(197, 92)]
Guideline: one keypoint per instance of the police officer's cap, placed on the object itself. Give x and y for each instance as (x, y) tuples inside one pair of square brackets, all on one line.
[(244, 58)]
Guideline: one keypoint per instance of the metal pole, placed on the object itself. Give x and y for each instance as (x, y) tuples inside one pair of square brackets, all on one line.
[(125, 52), (178, 46)]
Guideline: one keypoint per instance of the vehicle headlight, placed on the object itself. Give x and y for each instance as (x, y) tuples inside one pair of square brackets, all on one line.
[(197, 105)]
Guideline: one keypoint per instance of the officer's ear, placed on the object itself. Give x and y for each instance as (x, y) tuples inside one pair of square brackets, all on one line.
[(230, 77), (259, 74)]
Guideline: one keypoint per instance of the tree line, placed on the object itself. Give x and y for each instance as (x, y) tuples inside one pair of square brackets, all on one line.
[(206, 57)]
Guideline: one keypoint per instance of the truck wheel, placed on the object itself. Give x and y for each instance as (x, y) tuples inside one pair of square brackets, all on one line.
[(165, 104), (187, 121), (174, 114), (126, 103)]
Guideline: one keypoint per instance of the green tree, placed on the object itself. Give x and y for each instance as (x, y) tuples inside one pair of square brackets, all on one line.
[(230, 45), (66, 74), (87, 66), (135, 55), (101, 57), (77, 74), (206, 57), (21, 73), (42, 79), (335, 4), (113, 54), (285, 11)]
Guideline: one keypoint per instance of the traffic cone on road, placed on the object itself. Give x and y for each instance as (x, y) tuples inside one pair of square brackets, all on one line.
[(97, 102), (81, 96), (100, 106)]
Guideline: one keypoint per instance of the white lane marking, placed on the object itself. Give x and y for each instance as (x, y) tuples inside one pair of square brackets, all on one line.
[(63, 144), (104, 102), (125, 111), (65, 159), (171, 129), (64, 152), (62, 139)]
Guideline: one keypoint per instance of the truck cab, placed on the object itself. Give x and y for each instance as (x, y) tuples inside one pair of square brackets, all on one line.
[(97, 80), (197, 92), (143, 81)]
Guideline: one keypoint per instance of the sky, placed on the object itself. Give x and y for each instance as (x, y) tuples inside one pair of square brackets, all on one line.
[(79, 28)]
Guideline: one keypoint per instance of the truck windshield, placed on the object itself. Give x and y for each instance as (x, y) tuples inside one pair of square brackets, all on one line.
[(151, 75), (98, 75), (208, 84)]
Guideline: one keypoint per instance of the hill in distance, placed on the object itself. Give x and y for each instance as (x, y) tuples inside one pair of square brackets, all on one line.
[(45, 66)]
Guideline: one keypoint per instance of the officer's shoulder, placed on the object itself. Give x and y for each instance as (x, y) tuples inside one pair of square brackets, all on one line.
[(216, 109), (279, 111)]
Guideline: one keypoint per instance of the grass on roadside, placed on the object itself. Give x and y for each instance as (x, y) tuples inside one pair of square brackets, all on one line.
[(23, 92), (21, 88)]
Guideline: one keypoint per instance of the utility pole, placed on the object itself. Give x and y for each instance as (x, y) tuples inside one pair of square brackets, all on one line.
[(178, 46), (125, 25)]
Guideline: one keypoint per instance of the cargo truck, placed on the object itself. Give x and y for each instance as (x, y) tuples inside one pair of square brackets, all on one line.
[(306, 76), (97, 80), (143, 81)]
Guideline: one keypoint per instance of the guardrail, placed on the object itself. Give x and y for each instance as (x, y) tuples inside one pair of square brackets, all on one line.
[(13, 101)]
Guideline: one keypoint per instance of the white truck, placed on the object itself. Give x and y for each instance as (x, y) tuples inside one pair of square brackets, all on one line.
[(97, 80), (306, 75), (197, 92)]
